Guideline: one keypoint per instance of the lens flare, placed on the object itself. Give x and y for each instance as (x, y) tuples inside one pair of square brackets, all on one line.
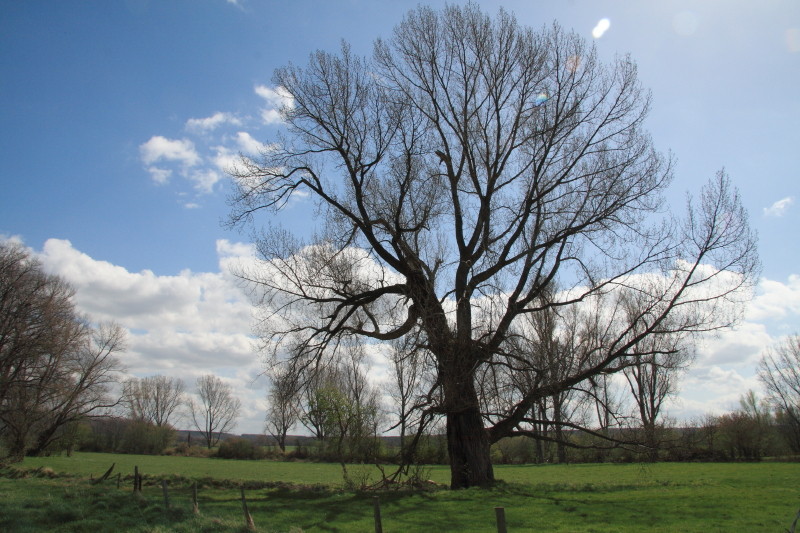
[(601, 27), (541, 98), (793, 40), (573, 63)]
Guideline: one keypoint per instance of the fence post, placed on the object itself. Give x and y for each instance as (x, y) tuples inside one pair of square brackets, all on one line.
[(376, 503), (248, 520), (119, 479), (500, 514), (166, 494), (135, 479), (195, 508)]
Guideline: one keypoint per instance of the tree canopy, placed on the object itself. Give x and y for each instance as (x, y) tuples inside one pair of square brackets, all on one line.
[(56, 368), (471, 173)]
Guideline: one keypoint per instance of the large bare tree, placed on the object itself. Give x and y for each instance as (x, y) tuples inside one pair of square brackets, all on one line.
[(154, 399), (283, 408), (217, 410), (652, 379), (463, 169), (55, 367)]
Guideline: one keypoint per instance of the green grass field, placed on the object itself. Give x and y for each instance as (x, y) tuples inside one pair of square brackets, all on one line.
[(667, 497)]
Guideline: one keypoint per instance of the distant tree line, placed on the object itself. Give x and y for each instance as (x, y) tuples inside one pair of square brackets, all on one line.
[(347, 417)]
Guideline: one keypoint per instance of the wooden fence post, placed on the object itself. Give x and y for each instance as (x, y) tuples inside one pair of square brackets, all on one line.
[(500, 514), (104, 476), (248, 520), (119, 479), (166, 494), (376, 502), (195, 508), (794, 524), (135, 479)]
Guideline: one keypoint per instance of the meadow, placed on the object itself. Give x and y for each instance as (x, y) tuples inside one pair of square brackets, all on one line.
[(55, 494)]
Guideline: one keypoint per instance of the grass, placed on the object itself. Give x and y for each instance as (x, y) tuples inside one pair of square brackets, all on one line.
[(668, 497)]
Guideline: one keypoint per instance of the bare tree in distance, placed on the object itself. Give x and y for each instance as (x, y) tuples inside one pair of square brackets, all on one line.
[(546, 348), (85, 384), (282, 411), (652, 378), (410, 393), (779, 371), (460, 171), (340, 407), (56, 368), (217, 410), (154, 399)]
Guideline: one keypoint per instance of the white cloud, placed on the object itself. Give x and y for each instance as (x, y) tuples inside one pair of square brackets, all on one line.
[(225, 159), (205, 179), (270, 116), (247, 144), (779, 208), (159, 175), (713, 390), (205, 125), (276, 98), (160, 148), (183, 326), (776, 301), (740, 346), (193, 323), (226, 248)]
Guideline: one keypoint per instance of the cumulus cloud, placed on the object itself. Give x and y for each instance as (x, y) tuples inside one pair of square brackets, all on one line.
[(159, 175), (208, 124), (247, 144), (205, 179), (779, 208), (160, 148), (711, 390), (225, 249), (225, 158), (277, 98), (776, 300), (192, 323), (740, 346), (183, 325)]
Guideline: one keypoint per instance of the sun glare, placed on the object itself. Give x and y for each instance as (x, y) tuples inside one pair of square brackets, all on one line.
[(601, 27), (685, 23)]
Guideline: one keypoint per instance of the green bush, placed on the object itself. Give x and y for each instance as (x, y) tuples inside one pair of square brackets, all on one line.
[(147, 439), (238, 448)]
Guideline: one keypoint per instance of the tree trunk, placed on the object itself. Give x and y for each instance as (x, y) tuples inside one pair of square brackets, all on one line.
[(43, 440), (17, 445), (467, 440), (468, 448)]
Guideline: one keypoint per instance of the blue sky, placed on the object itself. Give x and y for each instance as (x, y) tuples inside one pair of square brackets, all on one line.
[(117, 118)]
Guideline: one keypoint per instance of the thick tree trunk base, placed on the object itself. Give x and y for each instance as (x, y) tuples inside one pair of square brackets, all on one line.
[(469, 450)]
